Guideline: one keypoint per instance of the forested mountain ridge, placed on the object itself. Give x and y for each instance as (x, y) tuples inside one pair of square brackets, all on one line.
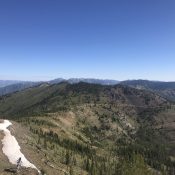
[(10, 86), (165, 89), (47, 98), (96, 129)]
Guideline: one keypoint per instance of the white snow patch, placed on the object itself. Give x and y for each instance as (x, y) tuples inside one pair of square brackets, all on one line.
[(11, 147)]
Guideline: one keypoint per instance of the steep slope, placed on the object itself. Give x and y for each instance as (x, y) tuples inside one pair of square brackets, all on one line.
[(29, 148)]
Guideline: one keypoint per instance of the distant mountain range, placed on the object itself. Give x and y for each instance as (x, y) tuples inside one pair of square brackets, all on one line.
[(149, 85), (4, 83), (165, 89), (17, 87), (7, 87), (85, 80)]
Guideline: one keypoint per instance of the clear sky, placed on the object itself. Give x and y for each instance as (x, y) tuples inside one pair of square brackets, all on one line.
[(111, 39)]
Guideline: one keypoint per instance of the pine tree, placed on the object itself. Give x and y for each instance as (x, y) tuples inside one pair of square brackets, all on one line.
[(71, 172), (67, 157), (45, 143)]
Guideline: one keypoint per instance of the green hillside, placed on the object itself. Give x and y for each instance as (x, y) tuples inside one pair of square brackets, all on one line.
[(93, 129)]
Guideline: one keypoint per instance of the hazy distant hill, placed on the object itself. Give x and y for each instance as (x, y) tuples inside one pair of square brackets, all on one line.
[(93, 81), (85, 80), (55, 81), (152, 85), (17, 87), (4, 83), (165, 89)]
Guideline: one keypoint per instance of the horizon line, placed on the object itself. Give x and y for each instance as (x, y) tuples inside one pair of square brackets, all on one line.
[(66, 79)]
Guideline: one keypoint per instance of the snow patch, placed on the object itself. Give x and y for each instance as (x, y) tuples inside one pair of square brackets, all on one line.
[(11, 147)]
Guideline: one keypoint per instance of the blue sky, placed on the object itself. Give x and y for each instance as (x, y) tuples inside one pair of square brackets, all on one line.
[(111, 39)]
